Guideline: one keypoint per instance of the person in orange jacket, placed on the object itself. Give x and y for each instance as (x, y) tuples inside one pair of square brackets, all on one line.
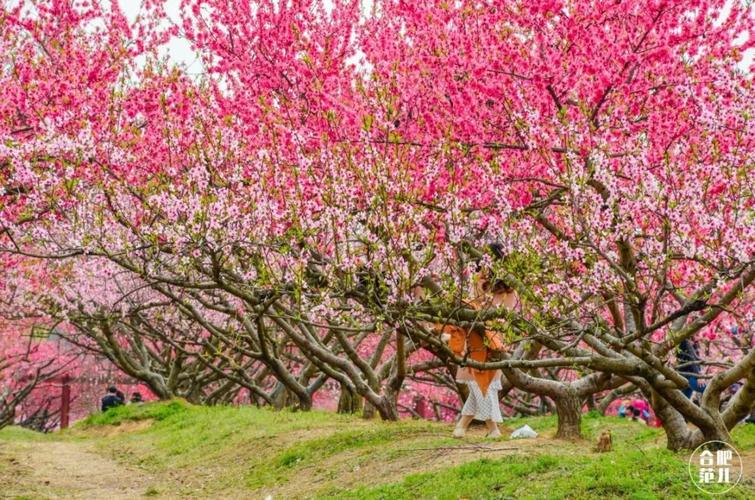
[(482, 403)]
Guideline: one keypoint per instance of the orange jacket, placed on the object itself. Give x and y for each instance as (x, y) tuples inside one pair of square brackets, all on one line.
[(472, 342)]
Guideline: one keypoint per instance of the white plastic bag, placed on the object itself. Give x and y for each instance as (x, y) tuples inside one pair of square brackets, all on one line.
[(524, 432)]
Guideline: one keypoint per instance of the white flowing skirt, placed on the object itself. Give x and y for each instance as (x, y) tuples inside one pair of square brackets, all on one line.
[(483, 407)]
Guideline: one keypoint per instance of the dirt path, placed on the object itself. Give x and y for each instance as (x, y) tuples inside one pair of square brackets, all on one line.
[(66, 469)]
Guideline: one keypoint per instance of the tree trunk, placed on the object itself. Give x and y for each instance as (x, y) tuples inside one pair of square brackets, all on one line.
[(385, 406), (349, 401), (7, 415), (591, 402), (157, 385), (707, 420), (678, 435), (305, 403), (368, 411), (388, 409), (569, 410), (281, 396), (717, 432)]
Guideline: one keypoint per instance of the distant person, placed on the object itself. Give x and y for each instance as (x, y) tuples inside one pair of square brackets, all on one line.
[(136, 398), (646, 416), (688, 364), (624, 408), (635, 413), (640, 410), (111, 399)]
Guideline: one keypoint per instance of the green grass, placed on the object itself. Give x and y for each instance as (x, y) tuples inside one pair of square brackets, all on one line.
[(236, 452), (631, 474), (132, 413), (12, 434), (374, 442), (744, 437), (639, 468), (243, 448)]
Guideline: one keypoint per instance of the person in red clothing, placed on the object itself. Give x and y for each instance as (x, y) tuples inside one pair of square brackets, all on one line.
[(641, 410)]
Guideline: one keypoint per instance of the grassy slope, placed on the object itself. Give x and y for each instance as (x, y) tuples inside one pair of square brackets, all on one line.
[(235, 452)]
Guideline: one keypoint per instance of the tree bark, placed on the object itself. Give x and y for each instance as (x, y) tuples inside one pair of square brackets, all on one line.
[(678, 435), (349, 401), (569, 410), (284, 397), (388, 408), (368, 412)]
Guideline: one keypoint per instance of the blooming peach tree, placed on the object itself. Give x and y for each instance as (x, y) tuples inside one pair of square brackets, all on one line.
[(330, 185)]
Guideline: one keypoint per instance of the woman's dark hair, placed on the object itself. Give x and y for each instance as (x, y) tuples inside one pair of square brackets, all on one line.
[(497, 250), (491, 283), (496, 285)]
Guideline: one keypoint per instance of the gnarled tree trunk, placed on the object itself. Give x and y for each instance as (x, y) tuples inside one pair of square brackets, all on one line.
[(349, 401), (569, 410)]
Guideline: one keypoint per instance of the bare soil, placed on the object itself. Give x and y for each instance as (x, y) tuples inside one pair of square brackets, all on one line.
[(66, 469)]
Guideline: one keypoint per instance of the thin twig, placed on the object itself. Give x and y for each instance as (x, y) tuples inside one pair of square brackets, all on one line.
[(478, 448)]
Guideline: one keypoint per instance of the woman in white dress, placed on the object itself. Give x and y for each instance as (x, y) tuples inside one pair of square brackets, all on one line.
[(482, 402)]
